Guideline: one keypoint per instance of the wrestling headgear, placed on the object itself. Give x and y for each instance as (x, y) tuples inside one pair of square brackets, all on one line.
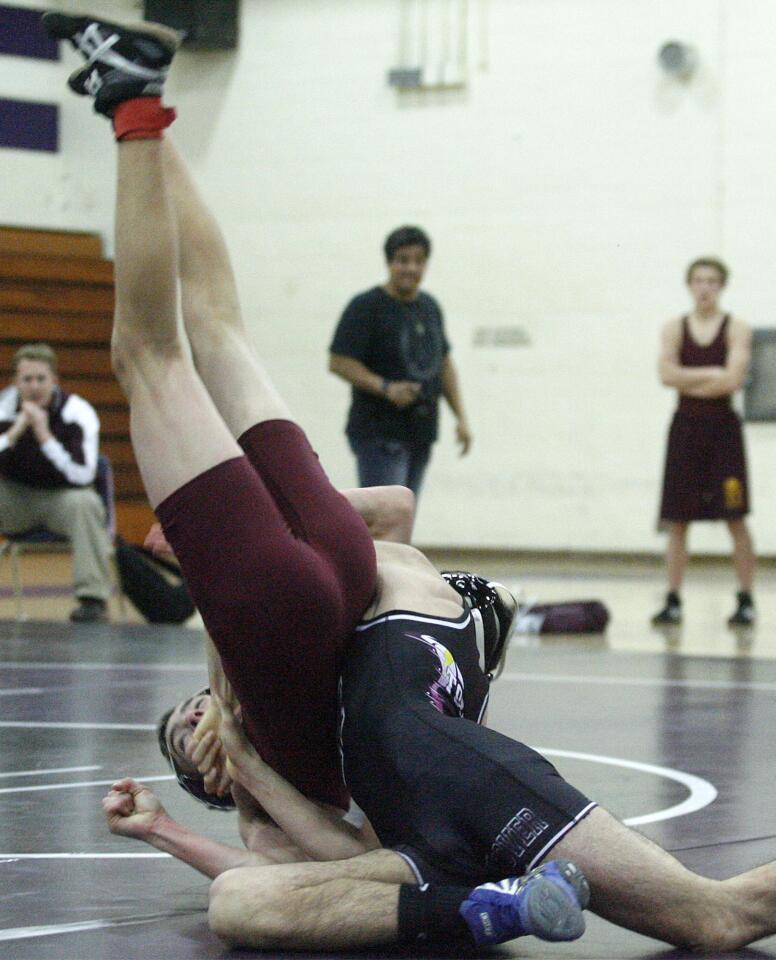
[(497, 608), (192, 783)]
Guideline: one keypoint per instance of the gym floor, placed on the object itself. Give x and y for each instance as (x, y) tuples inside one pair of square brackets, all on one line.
[(670, 731)]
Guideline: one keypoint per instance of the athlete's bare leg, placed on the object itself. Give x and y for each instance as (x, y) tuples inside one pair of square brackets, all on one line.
[(339, 905), (152, 360), (743, 553), (676, 555), (223, 353), (636, 884)]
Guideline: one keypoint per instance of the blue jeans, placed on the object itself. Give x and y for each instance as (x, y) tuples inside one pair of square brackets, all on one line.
[(382, 462)]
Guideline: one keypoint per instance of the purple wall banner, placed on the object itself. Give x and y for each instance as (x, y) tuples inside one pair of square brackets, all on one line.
[(21, 34), (29, 126)]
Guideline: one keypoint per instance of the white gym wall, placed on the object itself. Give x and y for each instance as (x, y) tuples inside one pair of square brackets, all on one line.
[(566, 182)]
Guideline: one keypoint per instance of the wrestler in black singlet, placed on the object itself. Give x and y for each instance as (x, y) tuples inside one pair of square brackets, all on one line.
[(463, 804)]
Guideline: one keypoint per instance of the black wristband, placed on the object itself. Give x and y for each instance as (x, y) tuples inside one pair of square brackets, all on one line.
[(385, 386)]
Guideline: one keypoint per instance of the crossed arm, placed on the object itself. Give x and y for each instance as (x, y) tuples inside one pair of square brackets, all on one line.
[(705, 382)]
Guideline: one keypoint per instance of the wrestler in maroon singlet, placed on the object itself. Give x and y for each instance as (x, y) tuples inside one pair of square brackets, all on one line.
[(705, 472), (281, 568)]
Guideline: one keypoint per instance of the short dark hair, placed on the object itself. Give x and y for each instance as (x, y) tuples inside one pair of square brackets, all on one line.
[(35, 351), (715, 263), (406, 237), (192, 783)]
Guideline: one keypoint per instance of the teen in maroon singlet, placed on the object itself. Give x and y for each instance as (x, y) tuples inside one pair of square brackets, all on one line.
[(705, 356)]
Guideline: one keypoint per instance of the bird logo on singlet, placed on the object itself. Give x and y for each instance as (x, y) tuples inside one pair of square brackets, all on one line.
[(446, 692)]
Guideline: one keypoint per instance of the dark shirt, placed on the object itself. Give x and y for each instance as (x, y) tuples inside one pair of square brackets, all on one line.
[(398, 340), (69, 456), (694, 354)]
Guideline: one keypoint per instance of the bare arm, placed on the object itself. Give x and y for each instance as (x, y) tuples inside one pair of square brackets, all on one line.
[(200, 852), (389, 512), (204, 748), (401, 393), (730, 377), (132, 810), (219, 685), (706, 382), (451, 391), (356, 373), (260, 834), (672, 373), (321, 834)]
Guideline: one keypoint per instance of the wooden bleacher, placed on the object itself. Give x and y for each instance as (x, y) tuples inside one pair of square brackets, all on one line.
[(56, 287)]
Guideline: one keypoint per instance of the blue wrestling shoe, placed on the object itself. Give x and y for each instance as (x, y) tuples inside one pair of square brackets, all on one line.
[(546, 903)]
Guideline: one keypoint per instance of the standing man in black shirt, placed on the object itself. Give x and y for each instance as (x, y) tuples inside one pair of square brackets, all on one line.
[(390, 345)]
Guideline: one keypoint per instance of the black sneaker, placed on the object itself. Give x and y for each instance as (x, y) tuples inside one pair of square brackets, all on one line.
[(671, 614), (122, 62), (90, 610), (744, 615)]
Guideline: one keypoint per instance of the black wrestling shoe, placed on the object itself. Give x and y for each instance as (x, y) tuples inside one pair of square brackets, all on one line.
[(90, 610), (744, 615), (671, 614), (122, 62)]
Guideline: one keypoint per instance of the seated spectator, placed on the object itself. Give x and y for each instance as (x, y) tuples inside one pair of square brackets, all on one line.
[(48, 462)]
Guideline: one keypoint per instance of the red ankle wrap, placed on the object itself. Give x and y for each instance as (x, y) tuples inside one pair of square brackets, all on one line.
[(143, 118)]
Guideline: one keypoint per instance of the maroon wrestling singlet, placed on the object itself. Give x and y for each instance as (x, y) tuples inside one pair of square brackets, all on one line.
[(705, 471)]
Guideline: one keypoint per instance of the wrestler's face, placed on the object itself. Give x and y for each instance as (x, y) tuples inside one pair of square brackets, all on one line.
[(705, 285), (406, 268), (182, 723), (35, 381)]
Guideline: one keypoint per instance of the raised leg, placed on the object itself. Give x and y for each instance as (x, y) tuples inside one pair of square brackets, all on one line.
[(124, 70), (275, 585), (223, 353), (168, 401)]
